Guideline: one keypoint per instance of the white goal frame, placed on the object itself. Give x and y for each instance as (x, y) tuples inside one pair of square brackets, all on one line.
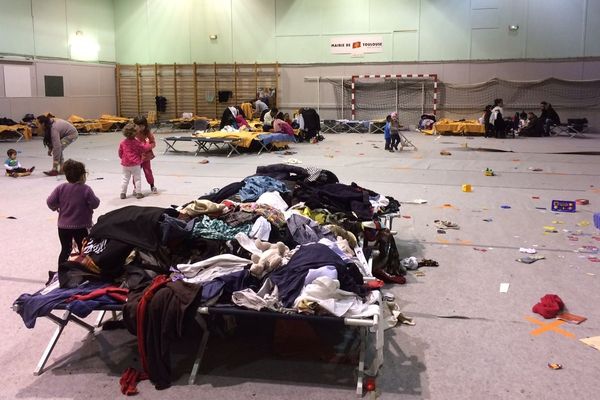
[(434, 77)]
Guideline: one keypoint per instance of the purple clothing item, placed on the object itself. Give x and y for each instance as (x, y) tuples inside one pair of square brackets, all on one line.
[(75, 203)]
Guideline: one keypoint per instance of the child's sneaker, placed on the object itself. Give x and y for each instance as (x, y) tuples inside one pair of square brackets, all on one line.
[(31, 169), (154, 189), (123, 196), (139, 195)]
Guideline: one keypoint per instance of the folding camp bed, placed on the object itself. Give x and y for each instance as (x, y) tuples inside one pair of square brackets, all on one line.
[(202, 144), (329, 126), (574, 127), (273, 139), (14, 132), (367, 327), (345, 126), (351, 126), (376, 126), (62, 322)]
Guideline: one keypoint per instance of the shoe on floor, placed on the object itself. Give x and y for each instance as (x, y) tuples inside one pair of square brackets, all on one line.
[(154, 189), (139, 195), (52, 172), (123, 196), (31, 169)]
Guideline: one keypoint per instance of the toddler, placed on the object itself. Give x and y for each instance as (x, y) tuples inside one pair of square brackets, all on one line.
[(13, 166), (75, 202), (387, 133), (131, 152)]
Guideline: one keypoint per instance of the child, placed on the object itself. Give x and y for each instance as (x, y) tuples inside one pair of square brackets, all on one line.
[(387, 133), (75, 202), (13, 166), (394, 131), (131, 152), (485, 121), (144, 135)]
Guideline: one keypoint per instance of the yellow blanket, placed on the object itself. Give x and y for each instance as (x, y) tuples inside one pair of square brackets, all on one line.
[(244, 138), (24, 129), (86, 125), (449, 127)]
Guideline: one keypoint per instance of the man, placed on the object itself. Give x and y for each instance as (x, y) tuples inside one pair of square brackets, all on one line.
[(259, 107), (268, 119), (549, 117)]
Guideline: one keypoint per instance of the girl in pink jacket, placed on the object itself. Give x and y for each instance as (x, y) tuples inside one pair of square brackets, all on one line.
[(131, 151)]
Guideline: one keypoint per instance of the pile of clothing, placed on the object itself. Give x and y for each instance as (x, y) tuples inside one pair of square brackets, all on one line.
[(286, 239)]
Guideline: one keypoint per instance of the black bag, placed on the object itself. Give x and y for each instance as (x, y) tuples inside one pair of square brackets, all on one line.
[(388, 258), (161, 103)]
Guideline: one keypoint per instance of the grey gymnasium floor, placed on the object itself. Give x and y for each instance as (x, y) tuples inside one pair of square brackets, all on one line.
[(490, 354)]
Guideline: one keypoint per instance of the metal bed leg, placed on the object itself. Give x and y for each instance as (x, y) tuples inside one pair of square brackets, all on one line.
[(262, 147), (62, 323), (170, 146), (361, 361), (232, 149), (100, 318), (201, 349)]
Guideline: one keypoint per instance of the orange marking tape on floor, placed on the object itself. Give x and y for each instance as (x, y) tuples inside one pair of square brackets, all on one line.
[(551, 326)]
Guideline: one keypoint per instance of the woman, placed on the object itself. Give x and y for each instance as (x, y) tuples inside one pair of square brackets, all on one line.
[(58, 134)]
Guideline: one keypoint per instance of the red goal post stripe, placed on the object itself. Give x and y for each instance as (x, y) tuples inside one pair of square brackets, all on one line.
[(432, 76)]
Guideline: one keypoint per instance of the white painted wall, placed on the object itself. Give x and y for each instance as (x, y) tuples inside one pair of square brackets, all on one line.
[(89, 91)]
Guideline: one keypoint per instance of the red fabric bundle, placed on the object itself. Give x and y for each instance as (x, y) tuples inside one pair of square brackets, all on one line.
[(549, 306)]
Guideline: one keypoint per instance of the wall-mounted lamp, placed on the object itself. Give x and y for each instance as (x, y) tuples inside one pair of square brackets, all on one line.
[(213, 37), (513, 28), (79, 33)]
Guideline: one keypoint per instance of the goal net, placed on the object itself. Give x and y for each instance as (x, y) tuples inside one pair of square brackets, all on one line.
[(373, 97), (571, 99)]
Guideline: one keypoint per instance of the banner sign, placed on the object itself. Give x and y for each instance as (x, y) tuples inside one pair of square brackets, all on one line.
[(356, 44)]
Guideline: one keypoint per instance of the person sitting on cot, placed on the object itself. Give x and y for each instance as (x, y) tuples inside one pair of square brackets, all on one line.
[(532, 127), (241, 122), (280, 126), (549, 117), (13, 166)]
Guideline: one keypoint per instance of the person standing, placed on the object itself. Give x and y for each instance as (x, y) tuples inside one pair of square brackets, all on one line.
[(130, 153), (58, 134), (387, 135), (497, 119), (143, 134), (394, 132), (75, 202)]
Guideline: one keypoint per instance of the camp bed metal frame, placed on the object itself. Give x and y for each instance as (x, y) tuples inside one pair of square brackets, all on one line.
[(202, 144), (366, 327)]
